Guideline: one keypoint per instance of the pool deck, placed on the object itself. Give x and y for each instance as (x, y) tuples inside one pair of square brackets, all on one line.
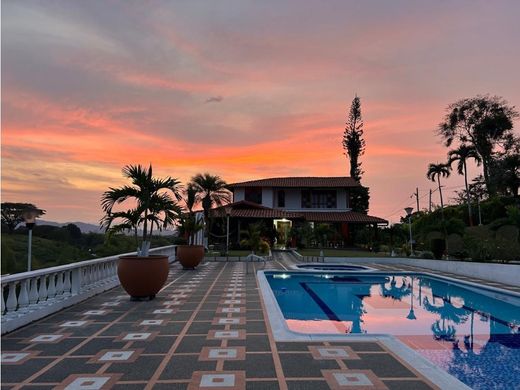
[(206, 329)]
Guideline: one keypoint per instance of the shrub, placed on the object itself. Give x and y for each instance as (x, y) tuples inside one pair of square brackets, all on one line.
[(438, 246), (427, 255)]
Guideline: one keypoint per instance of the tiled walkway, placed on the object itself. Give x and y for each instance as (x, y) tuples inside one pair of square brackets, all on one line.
[(206, 329)]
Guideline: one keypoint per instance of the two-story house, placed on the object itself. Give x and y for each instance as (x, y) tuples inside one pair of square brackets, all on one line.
[(285, 201)]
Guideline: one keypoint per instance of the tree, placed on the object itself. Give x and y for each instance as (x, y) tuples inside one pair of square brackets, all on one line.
[(461, 155), (211, 191), (354, 147), (435, 171), (189, 224), (154, 204), (353, 142), (12, 213), (505, 168), (484, 122)]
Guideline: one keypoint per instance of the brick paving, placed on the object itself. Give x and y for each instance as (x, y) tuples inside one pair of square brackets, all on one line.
[(206, 329)]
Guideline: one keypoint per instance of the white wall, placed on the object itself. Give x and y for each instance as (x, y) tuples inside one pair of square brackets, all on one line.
[(500, 273), (267, 197), (342, 202), (292, 199)]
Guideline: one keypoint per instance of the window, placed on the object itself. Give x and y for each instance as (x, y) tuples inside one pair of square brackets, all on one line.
[(253, 194), (319, 199), (281, 198)]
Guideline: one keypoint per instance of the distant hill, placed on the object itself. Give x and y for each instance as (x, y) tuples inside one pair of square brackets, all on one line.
[(83, 226), (89, 227)]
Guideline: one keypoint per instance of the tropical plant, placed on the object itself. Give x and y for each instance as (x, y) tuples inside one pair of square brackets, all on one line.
[(254, 240), (12, 214), (484, 122), (211, 191), (154, 204), (434, 173), (189, 224), (461, 155)]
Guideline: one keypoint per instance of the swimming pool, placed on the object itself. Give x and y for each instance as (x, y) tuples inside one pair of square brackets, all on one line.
[(472, 333)]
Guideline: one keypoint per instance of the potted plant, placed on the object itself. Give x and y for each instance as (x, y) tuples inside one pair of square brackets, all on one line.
[(190, 255), (142, 275)]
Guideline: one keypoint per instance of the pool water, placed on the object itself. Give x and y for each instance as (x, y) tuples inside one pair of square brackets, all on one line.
[(474, 334)]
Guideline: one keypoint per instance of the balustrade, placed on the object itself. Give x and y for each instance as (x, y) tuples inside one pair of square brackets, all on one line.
[(28, 296)]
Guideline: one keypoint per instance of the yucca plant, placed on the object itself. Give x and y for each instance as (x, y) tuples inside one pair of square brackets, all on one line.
[(154, 204)]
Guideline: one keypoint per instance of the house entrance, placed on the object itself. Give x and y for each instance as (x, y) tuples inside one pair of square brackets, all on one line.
[(282, 227)]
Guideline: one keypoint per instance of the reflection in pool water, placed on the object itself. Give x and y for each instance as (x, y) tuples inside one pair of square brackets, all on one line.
[(467, 332)]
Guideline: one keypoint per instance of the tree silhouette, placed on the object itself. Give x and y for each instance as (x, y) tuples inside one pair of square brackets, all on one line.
[(354, 147), (154, 204), (461, 155), (12, 213), (484, 122), (353, 142), (211, 191)]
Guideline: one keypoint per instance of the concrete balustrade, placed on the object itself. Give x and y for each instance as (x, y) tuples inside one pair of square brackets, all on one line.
[(29, 296)]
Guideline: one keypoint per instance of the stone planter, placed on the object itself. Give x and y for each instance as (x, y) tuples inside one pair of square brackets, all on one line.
[(143, 277), (190, 256)]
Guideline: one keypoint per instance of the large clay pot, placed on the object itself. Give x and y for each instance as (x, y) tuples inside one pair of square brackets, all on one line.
[(143, 277), (190, 256)]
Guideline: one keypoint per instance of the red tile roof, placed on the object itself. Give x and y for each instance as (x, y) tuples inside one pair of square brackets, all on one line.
[(340, 216), (332, 181), (245, 209)]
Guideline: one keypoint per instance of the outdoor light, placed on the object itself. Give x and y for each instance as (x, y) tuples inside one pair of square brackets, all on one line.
[(409, 213), (29, 216)]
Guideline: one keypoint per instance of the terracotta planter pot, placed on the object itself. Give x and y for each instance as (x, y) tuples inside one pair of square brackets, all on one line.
[(143, 276), (190, 256)]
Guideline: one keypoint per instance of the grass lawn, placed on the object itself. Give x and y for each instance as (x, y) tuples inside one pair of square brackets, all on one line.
[(341, 253)]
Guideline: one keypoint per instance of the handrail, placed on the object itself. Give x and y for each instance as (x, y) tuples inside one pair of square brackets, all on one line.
[(68, 267), (36, 294)]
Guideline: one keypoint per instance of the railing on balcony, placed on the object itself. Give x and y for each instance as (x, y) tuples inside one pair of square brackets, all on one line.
[(29, 296)]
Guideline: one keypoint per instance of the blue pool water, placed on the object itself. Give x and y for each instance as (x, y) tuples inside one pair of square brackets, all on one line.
[(472, 333)]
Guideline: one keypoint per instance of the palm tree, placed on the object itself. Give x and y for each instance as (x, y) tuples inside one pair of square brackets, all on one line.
[(154, 204), (461, 155), (189, 224), (211, 191), (435, 171)]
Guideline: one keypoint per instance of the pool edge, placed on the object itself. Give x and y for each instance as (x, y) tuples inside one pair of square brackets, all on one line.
[(282, 333)]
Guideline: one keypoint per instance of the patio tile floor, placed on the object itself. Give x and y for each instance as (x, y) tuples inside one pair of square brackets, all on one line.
[(208, 340)]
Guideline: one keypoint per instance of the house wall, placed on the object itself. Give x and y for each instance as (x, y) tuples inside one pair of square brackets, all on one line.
[(292, 198), (267, 197)]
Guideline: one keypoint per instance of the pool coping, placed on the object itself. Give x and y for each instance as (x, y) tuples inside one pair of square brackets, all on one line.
[(423, 366), (296, 267)]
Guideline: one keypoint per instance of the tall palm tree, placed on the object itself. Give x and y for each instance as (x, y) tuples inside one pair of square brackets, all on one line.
[(154, 205), (211, 191), (461, 155), (435, 171)]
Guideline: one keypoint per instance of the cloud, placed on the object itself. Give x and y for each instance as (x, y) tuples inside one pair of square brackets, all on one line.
[(214, 99)]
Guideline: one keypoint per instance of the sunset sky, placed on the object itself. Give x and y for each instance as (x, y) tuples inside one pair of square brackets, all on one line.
[(241, 89)]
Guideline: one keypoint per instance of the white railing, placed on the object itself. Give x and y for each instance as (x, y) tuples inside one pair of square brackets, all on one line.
[(29, 296)]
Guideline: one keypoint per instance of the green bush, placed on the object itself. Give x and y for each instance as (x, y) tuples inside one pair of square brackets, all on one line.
[(427, 255), (438, 246)]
